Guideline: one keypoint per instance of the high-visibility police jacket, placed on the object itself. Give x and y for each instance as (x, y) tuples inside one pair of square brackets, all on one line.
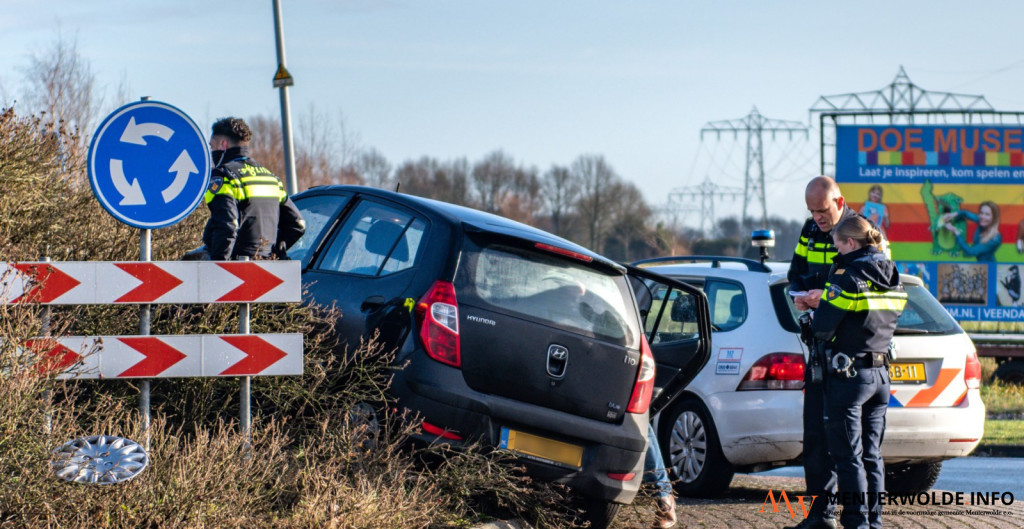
[(862, 300), (250, 212), (812, 258)]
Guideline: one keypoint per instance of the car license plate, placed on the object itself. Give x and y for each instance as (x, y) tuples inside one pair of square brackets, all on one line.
[(541, 448), (907, 372)]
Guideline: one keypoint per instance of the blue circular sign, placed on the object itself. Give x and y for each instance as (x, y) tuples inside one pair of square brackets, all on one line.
[(149, 165)]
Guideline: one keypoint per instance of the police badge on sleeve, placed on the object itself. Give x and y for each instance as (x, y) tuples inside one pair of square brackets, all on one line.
[(833, 292), (215, 184)]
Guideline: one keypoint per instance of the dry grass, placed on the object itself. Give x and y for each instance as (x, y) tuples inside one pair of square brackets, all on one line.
[(311, 461)]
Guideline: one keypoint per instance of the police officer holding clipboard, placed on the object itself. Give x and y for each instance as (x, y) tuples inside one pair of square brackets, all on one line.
[(808, 271), (855, 320)]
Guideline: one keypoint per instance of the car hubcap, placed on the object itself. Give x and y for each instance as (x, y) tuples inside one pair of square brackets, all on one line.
[(688, 446)]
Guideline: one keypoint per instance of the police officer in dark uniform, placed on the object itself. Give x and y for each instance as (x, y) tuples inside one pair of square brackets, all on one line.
[(808, 271), (855, 320), (250, 212)]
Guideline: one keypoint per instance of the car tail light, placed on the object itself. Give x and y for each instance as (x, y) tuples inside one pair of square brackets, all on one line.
[(440, 432), (644, 386), (972, 371), (775, 371), (439, 315)]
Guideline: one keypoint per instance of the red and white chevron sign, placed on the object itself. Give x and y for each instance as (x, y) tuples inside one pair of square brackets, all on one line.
[(229, 355), (104, 282)]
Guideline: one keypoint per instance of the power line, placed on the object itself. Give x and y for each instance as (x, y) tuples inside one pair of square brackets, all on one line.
[(755, 126)]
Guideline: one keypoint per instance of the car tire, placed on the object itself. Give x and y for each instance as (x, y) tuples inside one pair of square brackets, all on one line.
[(692, 451), (599, 513), (911, 478), (1011, 372)]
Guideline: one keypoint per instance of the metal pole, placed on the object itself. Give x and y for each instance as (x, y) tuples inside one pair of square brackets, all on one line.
[(291, 180), (245, 394), (145, 254), (48, 393)]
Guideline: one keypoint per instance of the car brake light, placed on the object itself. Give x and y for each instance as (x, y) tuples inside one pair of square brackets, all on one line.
[(775, 371), (644, 386), (563, 251), (439, 314), (440, 432), (972, 371)]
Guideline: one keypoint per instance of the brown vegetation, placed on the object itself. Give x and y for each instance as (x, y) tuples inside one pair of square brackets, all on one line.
[(312, 460)]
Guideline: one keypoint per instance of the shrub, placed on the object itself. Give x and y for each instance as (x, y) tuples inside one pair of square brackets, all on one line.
[(313, 458)]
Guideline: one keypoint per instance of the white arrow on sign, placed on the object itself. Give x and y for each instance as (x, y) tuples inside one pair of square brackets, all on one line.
[(150, 356), (136, 134), (183, 166), (132, 192)]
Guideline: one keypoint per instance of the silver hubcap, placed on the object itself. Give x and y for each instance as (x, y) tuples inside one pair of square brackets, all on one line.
[(688, 446)]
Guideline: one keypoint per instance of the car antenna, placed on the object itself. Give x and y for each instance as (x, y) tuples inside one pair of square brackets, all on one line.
[(397, 185)]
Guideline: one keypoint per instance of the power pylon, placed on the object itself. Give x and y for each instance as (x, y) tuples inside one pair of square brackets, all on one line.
[(901, 101), (708, 192), (754, 125)]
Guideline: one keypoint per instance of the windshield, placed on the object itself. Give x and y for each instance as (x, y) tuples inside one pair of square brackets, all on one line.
[(922, 315)]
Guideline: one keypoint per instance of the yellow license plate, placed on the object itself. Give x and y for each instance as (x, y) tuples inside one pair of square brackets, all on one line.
[(907, 372), (541, 448)]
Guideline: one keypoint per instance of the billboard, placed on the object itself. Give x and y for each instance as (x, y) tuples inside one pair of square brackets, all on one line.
[(950, 198)]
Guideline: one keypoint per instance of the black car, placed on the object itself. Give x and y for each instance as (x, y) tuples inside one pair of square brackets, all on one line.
[(508, 334)]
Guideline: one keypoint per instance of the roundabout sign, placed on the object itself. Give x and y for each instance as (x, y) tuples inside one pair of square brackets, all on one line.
[(149, 165)]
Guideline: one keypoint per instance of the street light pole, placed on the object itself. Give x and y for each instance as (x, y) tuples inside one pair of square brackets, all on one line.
[(282, 80)]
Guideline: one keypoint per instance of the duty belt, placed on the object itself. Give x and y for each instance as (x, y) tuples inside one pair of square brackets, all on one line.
[(866, 360)]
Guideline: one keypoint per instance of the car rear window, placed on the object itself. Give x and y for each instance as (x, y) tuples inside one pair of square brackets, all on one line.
[(550, 289)]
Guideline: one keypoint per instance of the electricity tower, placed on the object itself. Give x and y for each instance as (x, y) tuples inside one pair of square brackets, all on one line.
[(707, 191), (755, 126), (901, 101)]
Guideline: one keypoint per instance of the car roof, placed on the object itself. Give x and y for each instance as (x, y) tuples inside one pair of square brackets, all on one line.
[(731, 268), (737, 268), (469, 217)]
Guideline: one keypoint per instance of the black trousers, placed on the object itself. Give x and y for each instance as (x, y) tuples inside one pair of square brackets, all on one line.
[(819, 470)]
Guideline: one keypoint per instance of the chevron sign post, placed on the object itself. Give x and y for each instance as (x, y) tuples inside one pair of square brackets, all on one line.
[(102, 282), (146, 282), (230, 355)]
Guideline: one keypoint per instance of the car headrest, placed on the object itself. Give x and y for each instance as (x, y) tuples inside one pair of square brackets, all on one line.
[(382, 236)]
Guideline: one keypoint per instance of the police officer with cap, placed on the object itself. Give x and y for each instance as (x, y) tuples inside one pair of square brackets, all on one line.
[(808, 271), (250, 212), (855, 320)]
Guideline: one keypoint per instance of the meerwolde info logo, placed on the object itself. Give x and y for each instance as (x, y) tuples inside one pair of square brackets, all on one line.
[(930, 498)]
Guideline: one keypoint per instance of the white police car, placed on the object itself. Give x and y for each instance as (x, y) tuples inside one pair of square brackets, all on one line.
[(743, 411)]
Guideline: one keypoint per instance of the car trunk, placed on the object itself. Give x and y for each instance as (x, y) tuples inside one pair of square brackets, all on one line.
[(546, 329)]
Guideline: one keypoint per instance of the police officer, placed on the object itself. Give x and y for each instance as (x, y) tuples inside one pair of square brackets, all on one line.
[(808, 271), (250, 212), (856, 319)]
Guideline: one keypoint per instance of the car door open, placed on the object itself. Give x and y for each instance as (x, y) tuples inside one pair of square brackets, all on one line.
[(677, 323)]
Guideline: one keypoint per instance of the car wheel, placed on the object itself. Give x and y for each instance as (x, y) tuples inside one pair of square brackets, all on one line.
[(1011, 372), (692, 451), (600, 513), (364, 425), (911, 478)]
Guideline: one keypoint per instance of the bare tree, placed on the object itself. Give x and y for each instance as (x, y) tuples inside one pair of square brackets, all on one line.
[(560, 190), (596, 179), (267, 146), (374, 168), (60, 87), (493, 180)]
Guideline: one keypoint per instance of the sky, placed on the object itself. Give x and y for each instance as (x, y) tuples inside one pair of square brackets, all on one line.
[(544, 81)]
